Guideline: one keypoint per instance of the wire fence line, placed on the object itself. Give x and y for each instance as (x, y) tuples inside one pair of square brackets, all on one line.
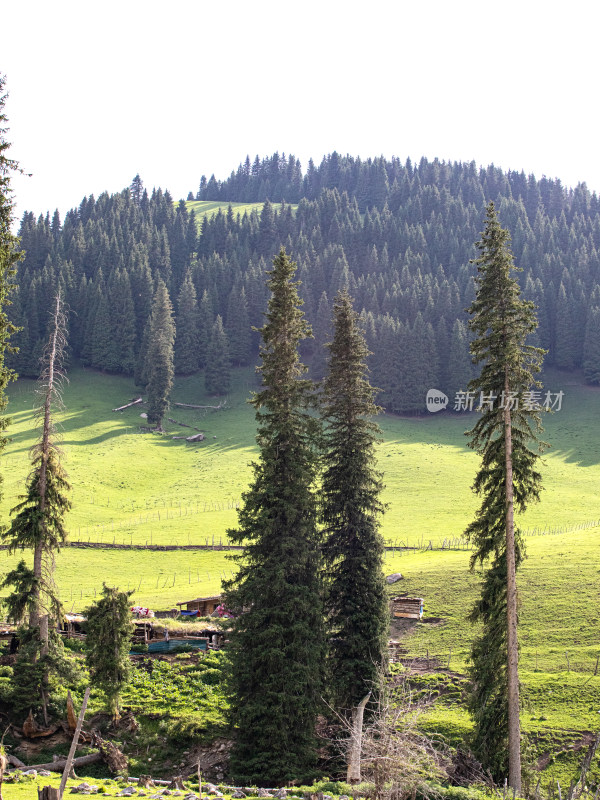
[(424, 658)]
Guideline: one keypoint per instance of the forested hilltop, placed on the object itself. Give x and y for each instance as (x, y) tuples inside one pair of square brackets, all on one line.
[(399, 235)]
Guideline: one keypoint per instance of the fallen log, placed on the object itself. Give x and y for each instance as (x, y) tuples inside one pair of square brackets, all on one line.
[(58, 766), (128, 405), (187, 405), (198, 437), (16, 762)]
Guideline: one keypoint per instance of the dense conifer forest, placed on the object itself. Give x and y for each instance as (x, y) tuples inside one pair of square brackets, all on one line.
[(398, 235)]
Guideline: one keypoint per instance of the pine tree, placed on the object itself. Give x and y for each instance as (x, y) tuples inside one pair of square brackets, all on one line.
[(159, 356), (102, 350), (276, 649), (38, 520), (238, 327), (591, 347), (186, 326), (108, 640), (356, 606), (9, 256), (217, 377), (564, 349), (322, 329), (122, 351), (503, 436), (206, 320), (460, 368)]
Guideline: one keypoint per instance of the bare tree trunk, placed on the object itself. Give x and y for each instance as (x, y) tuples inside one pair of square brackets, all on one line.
[(3, 766), (34, 617), (69, 762), (514, 723), (353, 773)]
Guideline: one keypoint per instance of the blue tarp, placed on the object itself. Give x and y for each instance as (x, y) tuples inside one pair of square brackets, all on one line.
[(163, 646)]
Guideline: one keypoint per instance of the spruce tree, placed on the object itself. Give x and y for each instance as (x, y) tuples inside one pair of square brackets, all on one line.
[(506, 437), (206, 320), (186, 326), (238, 327), (460, 368), (322, 329), (122, 351), (217, 377), (276, 649), (159, 356), (591, 347), (38, 520), (356, 603), (108, 639)]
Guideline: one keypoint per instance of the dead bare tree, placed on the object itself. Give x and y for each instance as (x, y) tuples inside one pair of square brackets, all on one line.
[(37, 522), (391, 753)]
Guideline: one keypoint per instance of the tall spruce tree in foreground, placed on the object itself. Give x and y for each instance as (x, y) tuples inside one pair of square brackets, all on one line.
[(108, 640), (355, 597), (276, 649), (9, 255), (506, 437), (159, 356)]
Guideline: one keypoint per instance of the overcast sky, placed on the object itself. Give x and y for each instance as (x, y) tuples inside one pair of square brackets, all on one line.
[(102, 91)]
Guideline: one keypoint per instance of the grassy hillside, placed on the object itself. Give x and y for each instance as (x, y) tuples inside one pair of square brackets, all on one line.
[(140, 488), (137, 488), (208, 208), (124, 479)]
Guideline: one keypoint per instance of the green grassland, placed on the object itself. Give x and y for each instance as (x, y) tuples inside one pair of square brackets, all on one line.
[(124, 478), (208, 208), (131, 486), (135, 487)]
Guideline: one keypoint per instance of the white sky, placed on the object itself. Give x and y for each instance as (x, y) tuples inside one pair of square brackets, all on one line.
[(102, 91)]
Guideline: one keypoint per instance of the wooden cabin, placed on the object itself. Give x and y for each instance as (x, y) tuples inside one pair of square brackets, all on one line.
[(72, 626), (407, 607), (200, 607)]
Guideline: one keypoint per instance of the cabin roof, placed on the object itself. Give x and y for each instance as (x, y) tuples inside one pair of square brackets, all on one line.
[(199, 600)]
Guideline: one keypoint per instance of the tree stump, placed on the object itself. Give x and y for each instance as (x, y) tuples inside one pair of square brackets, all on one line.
[(48, 793), (176, 782)]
